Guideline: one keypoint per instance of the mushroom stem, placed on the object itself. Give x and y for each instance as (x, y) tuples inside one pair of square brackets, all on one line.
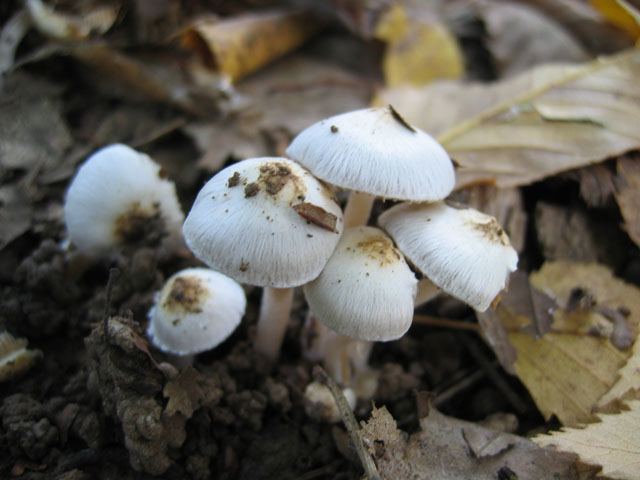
[(427, 291), (358, 209), (273, 320)]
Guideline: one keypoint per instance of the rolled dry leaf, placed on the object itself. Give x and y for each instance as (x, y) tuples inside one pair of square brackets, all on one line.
[(239, 46)]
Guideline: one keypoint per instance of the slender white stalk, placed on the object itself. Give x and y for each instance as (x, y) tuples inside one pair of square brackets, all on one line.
[(358, 209), (427, 291), (273, 320)]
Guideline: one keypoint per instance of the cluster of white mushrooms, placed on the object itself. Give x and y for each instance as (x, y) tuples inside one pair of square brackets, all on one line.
[(274, 222)]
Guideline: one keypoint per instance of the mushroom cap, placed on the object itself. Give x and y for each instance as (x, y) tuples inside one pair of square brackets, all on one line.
[(376, 152), (366, 290), (463, 251), (114, 198), (196, 310), (264, 221)]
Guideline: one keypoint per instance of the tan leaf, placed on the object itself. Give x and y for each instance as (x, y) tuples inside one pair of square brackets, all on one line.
[(239, 46), (549, 119), (613, 443), (628, 194), (627, 386), (447, 448), (519, 37), (569, 368), (419, 48)]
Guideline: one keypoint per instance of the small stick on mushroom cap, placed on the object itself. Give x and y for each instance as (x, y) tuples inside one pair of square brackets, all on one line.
[(266, 222)]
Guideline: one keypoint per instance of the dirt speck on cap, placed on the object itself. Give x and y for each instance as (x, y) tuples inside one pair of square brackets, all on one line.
[(492, 231), (379, 249), (140, 226), (233, 180), (186, 295), (251, 190)]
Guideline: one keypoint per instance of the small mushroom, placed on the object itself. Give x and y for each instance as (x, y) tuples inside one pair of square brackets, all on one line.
[(266, 222), (196, 310), (461, 250), (120, 199), (374, 153), (319, 404), (366, 290)]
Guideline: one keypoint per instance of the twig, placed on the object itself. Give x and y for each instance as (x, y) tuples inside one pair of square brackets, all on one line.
[(458, 387), (446, 322), (349, 421), (113, 275)]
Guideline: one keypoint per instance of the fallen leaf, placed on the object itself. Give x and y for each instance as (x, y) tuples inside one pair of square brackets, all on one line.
[(613, 443), (568, 369), (627, 386), (71, 28), (586, 24), (448, 448), (547, 120), (628, 194), (520, 37), (286, 97), (621, 14), (597, 184), (419, 48), (12, 33), (183, 393), (241, 45)]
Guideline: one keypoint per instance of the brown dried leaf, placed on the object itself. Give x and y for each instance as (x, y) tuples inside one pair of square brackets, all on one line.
[(519, 37), (628, 194), (184, 393), (585, 24), (286, 97), (549, 119), (239, 46), (569, 368), (447, 448), (613, 443)]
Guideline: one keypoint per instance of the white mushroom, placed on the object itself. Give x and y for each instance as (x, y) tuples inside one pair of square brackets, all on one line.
[(267, 222), (461, 250), (366, 290), (374, 152), (319, 404), (119, 198), (196, 310)]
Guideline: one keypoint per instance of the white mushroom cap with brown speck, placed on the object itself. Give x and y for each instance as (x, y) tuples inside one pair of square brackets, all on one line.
[(375, 151), (264, 221), (116, 192), (463, 251), (196, 310), (366, 290)]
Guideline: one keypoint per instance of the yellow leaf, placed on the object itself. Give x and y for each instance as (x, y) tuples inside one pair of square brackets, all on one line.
[(627, 386), (522, 129), (418, 50), (619, 13), (568, 369), (613, 443)]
